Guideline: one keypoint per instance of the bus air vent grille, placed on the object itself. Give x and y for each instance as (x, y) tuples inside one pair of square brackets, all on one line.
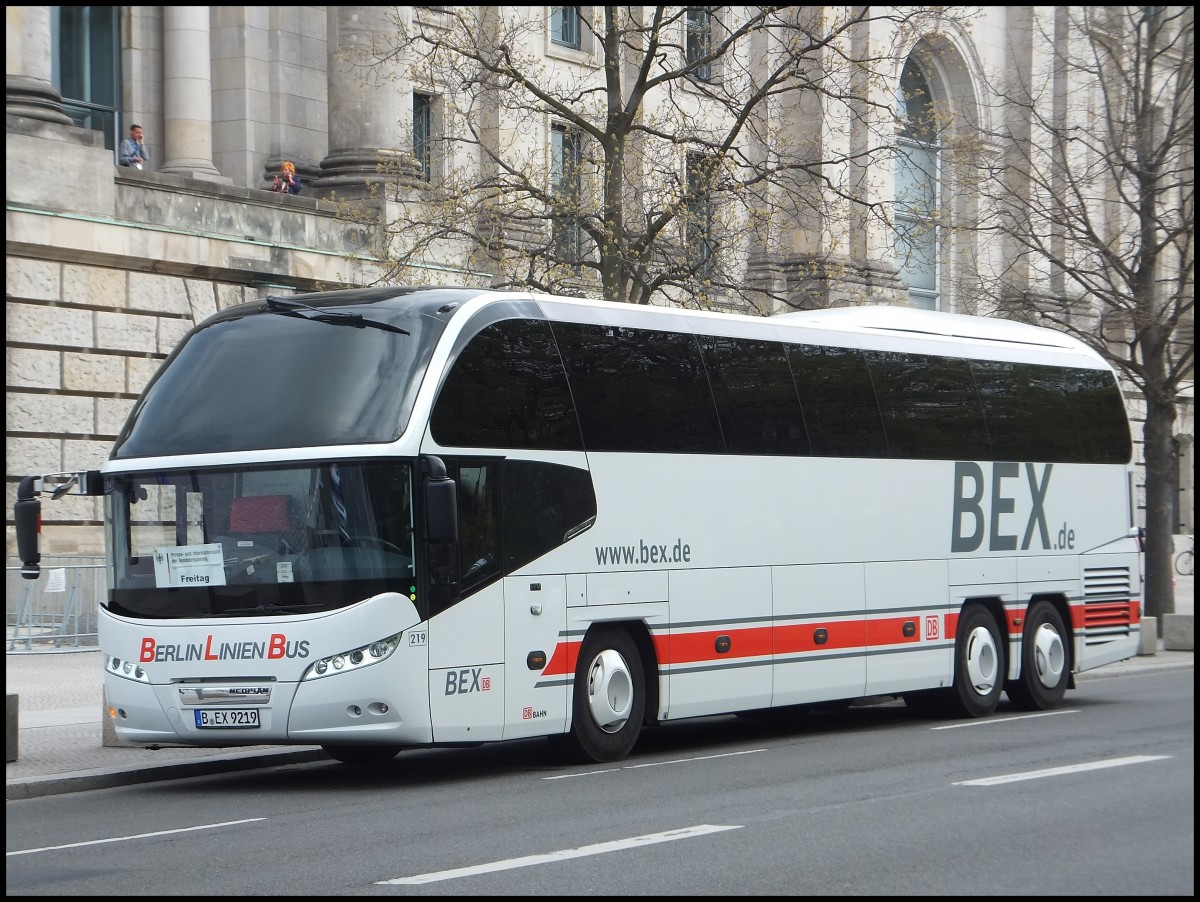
[(1097, 616), (1106, 582)]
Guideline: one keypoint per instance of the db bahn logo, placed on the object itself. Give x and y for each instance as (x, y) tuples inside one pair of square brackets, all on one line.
[(931, 626)]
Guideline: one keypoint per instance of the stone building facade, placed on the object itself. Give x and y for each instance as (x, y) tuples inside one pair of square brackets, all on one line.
[(107, 267)]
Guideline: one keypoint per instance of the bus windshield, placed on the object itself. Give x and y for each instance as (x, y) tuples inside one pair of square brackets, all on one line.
[(259, 541)]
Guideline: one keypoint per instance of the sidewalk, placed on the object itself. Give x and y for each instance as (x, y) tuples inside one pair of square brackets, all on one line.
[(60, 735)]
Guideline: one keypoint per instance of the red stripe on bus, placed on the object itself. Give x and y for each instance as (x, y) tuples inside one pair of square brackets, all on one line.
[(803, 637), (891, 631), (563, 659), (762, 641), (688, 648)]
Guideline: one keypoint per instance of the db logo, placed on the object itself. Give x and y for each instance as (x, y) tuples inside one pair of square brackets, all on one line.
[(931, 627), (527, 713)]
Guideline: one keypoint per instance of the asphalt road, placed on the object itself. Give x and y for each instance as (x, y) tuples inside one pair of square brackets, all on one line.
[(1094, 798)]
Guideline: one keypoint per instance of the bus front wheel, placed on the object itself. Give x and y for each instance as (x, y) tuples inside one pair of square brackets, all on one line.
[(609, 697), (1045, 661)]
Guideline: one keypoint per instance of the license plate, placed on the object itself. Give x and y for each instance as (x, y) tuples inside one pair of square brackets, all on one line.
[(227, 718)]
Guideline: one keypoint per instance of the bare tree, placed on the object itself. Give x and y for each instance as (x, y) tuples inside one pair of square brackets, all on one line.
[(1096, 201), (663, 152)]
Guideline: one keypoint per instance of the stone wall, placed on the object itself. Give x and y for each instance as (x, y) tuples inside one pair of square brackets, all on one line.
[(102, 282)]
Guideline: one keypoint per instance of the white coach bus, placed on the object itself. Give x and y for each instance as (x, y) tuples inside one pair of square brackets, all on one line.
[(385, 518)]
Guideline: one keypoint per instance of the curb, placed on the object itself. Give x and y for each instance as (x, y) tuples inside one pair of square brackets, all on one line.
[(106, 778), (1137, 665)]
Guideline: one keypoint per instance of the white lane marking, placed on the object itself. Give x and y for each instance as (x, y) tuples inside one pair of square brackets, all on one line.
[(611, 770), (1060, 771), (561, 855), (690, 760), (986, 723), (586, 773), (97, 842)]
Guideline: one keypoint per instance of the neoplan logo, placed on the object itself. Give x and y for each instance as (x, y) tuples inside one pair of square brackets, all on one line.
[(980, 511)]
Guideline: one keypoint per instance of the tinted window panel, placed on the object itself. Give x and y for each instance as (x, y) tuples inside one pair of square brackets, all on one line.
[(840, 412), (1028, 413), (507, 389), (220, 389), (929, 406), (540, 504), (1100, 416), (639, 390), (755, 395), (478, 524)]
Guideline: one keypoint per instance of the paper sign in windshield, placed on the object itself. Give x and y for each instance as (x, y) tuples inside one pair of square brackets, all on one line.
[(190, 565)]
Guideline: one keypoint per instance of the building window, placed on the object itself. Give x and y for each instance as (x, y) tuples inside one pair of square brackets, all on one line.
[(566, 187), (699, 231), (87, 67), (423, 133), (699, 42), (918, 187), (565, 26)]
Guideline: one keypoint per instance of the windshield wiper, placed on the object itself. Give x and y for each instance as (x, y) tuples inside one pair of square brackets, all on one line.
[(289, 307), (267, 609)]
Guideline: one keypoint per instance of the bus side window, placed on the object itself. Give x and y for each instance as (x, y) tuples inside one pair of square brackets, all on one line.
[(478, 524)]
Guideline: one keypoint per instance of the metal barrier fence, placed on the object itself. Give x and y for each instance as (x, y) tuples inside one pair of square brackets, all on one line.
[(58, 610)]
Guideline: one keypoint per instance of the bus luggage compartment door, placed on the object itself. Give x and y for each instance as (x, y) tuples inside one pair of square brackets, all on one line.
[(538, 668)]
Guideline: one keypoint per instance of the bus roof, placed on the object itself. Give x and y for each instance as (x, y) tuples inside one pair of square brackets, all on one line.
[(883, 318), (878, 319)]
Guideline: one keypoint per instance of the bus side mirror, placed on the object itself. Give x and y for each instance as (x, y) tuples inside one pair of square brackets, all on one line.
[(441, 504), (27, 519)]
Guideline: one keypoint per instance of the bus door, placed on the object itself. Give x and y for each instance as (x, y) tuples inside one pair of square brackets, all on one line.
[(536, 687), (466, 626)]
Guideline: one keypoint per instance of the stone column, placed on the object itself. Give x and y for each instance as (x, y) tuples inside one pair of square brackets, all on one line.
[(370, 107), (187, 93), (28, 90)]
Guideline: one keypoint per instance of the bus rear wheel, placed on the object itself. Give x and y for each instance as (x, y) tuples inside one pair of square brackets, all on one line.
[(978, 665), (609, 697), (362, 755), (1045, 661)]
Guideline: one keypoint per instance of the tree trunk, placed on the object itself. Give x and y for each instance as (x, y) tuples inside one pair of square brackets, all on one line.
[(1160, 520)]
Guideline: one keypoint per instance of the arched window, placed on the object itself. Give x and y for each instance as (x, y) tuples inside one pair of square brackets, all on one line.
[(918, 187)]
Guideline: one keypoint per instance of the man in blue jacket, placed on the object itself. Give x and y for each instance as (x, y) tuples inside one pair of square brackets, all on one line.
[(133, 151)]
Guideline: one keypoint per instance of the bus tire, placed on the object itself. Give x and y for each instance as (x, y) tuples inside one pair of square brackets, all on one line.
[(978, 665), (609, 696), (362, 755), (1045, 660)]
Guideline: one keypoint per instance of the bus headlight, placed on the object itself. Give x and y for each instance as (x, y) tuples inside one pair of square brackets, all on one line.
[(354, 659), (128, 670)]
